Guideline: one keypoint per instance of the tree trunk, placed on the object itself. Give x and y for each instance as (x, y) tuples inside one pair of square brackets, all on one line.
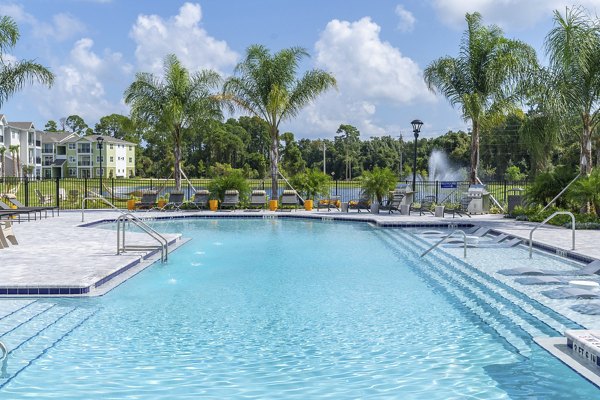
[(585, 162), (274, 156), (177, 162), (474, 153)]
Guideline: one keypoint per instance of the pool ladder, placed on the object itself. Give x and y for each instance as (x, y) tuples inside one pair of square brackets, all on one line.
[(464, 235), (163, 243), (548, 219)]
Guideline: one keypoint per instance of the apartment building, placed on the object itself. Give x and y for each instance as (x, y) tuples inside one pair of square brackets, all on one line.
[(69, 155), (25, 158)]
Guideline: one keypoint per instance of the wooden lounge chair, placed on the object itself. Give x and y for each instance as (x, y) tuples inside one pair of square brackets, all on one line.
[(6, 234), (289, 199), (176, 200), (364, 203), (231, 199), (258, 200), (148, 202), (200, 200), (425, 206)]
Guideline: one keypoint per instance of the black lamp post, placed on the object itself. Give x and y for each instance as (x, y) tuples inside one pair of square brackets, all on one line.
[(416, 124), (100, 140)]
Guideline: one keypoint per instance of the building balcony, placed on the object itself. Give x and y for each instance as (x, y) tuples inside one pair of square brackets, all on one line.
[(84, 164), (47, 163)]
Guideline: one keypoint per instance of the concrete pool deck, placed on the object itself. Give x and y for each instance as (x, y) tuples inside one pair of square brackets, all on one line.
[(64, 258)]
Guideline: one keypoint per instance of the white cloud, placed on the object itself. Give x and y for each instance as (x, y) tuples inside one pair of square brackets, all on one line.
[(370, 73), (80, 84), (181, 35), (506, 13), (62, 27), (407, 19)]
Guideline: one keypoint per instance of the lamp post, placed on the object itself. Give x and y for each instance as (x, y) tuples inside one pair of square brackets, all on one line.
[(100, 140), (416, 124)]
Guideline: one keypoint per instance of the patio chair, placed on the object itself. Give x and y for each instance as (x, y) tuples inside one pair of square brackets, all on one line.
[(73, 195), (22, 211), (289, 198), (363, 203), (394, 201), (459, 209), (13, 200), (258, 200), (590, 269), (148, 202), (231, 199), (7, 234), (329, 203), (424, 206), (176, 200), (200, 201), (571, 293), (43, 198)]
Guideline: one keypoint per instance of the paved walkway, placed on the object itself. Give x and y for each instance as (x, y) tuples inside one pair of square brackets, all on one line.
[(60, 253)]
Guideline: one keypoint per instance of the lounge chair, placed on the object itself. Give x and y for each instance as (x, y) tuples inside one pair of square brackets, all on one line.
[(176, 200), (571, 293), (329, 203), (364, 203), (592, 268), (289, 198), (490, 244), (231, 199), (73, 195), (148, 202), (394, 201), (13, 200), (200, 200), (542, 280), (22, 211), (459, 209), (258, 200), (43, 198), (7, 234), (424, 206), (588, 308)]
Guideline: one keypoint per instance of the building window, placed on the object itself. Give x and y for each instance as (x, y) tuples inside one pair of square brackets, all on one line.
[(111, 146), (71, 146), (84, 147), (72, 171), (129, 147), (130, 159), (48, 148), (111, 158), (97, 171), (47, 173), (72, 159), (99, 160)]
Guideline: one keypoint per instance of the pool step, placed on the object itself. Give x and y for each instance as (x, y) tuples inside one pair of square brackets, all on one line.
[(35, 329), (482, 306)]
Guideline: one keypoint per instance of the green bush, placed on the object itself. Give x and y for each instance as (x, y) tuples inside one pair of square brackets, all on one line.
[(378, 183), (311, 183), (233, 179), (587, 190), (548, 184)]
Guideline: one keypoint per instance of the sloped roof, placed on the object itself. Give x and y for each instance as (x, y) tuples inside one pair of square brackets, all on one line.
[(21, 125), (92, 139), (54, 137)]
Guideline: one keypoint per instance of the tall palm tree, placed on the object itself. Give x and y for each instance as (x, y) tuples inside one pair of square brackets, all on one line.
[(14, 152), (483, 79), (176, 103), (573, 49), (14, 75), (267, 86)]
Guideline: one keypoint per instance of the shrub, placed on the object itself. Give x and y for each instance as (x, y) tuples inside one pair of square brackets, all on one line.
[(548, 184), (378, 183), (312, 183), (233, 179)]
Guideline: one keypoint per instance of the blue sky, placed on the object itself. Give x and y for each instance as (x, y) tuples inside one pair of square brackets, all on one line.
[(376, 49)]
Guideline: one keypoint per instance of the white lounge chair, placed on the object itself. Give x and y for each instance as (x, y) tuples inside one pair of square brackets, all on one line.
[(592, 268), (571, 293)]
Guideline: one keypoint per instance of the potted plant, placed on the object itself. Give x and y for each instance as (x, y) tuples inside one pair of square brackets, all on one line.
[(311, 184), (229, 180), (378, 183), (131, 202)]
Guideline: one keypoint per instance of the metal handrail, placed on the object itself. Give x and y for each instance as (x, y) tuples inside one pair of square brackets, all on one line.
[(96, 198), (164, 244), (561, 192), (446, 237), (290, 185), (548, 219)]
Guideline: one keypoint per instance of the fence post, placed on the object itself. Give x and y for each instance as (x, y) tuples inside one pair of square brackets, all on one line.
[(85, 192), (151, 184), (26, 192), (57, 192), (112, 188), (336, 187), (505, 190), (437, 184)]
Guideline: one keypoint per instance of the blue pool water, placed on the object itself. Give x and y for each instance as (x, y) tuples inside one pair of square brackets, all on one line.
[(286, 309)]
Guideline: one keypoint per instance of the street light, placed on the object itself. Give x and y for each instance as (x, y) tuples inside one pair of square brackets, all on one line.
[(100, 140), (416, 124)]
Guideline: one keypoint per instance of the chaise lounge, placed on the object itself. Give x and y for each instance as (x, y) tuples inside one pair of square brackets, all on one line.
[(592, 268), (231, 199)]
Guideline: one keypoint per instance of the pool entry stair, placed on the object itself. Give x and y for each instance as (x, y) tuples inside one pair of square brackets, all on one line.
[(513, 316), (30, 328)]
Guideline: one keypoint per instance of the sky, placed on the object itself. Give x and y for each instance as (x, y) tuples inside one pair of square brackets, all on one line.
[(376, 50)]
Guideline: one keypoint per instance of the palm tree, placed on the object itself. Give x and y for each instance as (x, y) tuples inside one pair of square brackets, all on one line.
[(14, 75), (483, 79), (573, 49), (14, 152), (267, 86), (175, 104)]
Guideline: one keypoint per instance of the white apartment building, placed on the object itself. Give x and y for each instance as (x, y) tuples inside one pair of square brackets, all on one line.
[(29, 156)]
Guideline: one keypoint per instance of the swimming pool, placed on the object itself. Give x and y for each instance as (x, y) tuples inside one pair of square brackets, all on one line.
[(289, 309)]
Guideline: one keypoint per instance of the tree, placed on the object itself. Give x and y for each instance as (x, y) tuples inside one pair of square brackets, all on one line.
[(118, 126), (51, 126), (266, 86), (15, 74), (350, 144), (14, 152), (2, 151), (483, 79), (175, 104), (76, 124), (573, 49)]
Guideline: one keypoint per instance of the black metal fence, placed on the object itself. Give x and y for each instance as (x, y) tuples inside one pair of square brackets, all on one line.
[(68, 193)]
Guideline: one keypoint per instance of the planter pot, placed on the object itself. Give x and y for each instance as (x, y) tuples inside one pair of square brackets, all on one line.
[(308, 205), (375, 208), (161, 203), (131, 204), (439, 211), (213, 205), (273, 205)]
